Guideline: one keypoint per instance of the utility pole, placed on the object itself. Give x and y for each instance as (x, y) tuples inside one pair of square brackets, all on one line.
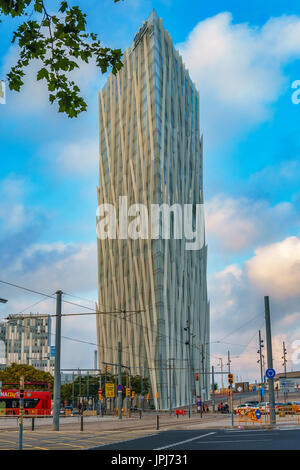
[(100, 388), (284, 365), (142, 391), (120, 379), (270, 361), (222, 381), (171, 385), (228, 365), (203, 378), (57, 376), (213, 389), (188, 344), (21, 412), (261, 345), (73, 390), (95, 359), (88, 390), (229, 362), (230, 385)]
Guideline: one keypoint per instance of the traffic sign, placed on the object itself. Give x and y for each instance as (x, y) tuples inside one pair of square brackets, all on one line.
[(120, 388), (239, 389), (258, 414), (110, 390), (270, 373)]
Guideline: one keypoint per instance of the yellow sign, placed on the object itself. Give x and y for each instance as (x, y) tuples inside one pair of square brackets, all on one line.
[(2, 408), (110, 390)]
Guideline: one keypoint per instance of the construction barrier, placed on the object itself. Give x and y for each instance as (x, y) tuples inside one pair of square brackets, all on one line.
[(247, 417)]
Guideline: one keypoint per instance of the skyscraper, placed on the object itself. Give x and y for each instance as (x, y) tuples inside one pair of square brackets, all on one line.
[(27, 340), (151, 153)]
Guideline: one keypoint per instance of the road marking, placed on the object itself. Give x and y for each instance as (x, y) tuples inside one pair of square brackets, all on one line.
[(126, 440), (183, 442), (254, 431), (71, 445), (241, 440)]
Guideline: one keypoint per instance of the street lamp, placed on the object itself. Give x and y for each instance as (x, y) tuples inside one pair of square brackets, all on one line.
[(3, 301)]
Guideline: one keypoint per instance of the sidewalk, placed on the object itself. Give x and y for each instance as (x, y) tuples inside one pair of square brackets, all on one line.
[(110, 423)]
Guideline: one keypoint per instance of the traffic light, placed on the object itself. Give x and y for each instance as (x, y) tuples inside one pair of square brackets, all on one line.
[(107, 368), (230, 378), (197, 377), (132, 394), (127, 392), (22, 393)]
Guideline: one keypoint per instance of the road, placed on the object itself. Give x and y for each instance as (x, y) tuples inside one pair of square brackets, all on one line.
[(209, 439)]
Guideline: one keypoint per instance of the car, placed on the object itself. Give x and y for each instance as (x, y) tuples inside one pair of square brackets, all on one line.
[(240, 409), (251, 404), (295, 406), (264, 407), (66, 411), (278, 407), (286, 407)]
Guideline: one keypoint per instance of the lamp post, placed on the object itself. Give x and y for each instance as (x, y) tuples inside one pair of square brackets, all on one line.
[(3, 301)]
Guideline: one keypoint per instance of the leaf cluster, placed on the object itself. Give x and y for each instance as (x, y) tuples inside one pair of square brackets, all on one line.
[(60, 42)]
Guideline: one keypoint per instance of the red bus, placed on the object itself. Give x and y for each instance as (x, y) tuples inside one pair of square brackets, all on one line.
[(37, 399)]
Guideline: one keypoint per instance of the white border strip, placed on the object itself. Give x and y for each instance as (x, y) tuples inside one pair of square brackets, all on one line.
[(183, 442)]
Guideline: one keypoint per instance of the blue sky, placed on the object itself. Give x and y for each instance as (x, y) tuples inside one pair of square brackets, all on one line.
[(244, 57)]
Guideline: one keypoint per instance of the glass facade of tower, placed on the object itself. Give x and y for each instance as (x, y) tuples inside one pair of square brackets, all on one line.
[(151, 153)]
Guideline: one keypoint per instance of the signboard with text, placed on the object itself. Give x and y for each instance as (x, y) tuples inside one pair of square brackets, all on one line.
[(110, 390), (287, 385)]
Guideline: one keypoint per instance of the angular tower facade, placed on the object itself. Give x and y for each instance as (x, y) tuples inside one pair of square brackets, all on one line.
[(151, 152)]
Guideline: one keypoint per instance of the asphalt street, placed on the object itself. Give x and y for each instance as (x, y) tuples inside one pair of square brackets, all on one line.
[(210, 439)]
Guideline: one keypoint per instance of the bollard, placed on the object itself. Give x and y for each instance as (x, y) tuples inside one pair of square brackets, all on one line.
[(32, 424), (157, 422), (140, 414), (81, 423)]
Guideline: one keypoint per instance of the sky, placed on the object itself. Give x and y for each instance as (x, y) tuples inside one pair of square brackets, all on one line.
[(245, 59)]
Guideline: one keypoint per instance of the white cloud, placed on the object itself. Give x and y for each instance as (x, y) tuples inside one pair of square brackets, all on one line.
[(75, 158), (275, 268), (47, 268), (238, 69), (237, 306), (237, 224), (14, 215)]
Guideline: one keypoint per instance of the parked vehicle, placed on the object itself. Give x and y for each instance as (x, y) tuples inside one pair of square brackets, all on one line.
[(286, 407), (252, 404), (240, 409), (264, 407)]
